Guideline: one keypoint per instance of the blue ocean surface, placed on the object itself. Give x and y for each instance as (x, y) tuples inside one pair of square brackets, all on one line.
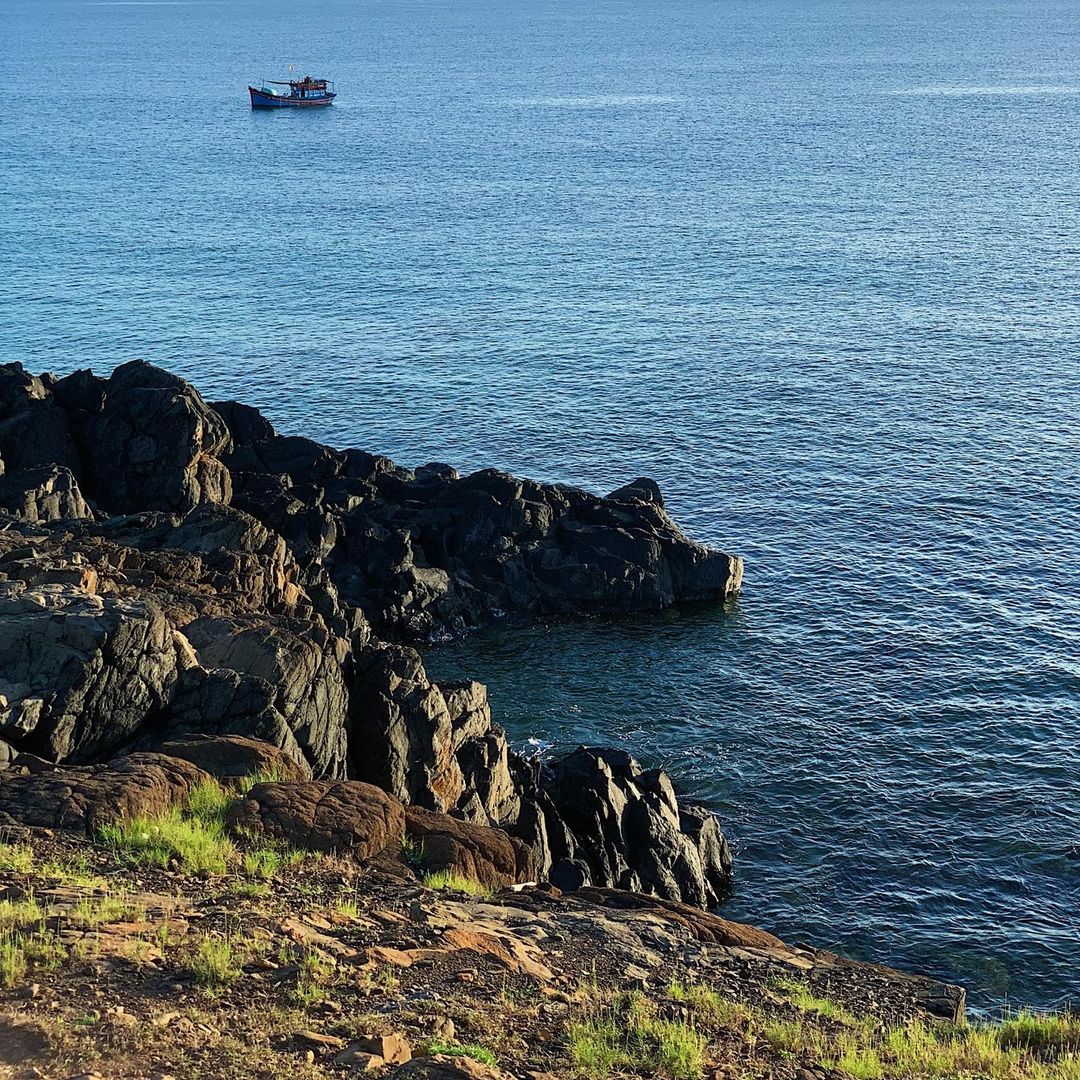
[(814, 265)]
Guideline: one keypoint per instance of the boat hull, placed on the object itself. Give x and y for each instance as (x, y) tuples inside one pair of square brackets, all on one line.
[(262, 100)]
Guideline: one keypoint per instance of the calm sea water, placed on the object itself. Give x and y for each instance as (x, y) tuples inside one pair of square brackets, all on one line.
[(812, 264)]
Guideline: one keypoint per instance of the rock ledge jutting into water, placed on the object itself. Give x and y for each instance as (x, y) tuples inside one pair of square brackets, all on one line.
[(172, 569)]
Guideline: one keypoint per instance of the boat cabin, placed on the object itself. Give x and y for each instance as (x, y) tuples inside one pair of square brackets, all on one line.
[(307, 87)]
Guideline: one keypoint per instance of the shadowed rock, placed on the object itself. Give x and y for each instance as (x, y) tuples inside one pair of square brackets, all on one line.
[(231, 757), (42, 494), (82, 672), (156, 445)]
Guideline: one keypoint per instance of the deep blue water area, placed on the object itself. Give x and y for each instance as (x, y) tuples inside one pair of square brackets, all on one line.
[(814, 265)]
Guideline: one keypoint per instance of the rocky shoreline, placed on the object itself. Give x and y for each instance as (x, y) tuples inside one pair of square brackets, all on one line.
[(173, 567), (188, 598)]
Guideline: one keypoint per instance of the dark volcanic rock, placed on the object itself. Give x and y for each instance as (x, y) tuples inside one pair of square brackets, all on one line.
[(81, 672), (437, 555), (305, 671), (34, 431), (171, 570), (402, 734), (342, 816), (628, 830), (156, 445), (42, 494)]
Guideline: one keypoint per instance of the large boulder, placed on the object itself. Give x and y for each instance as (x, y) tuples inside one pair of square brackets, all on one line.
[(305, 672), (224, 704), (401, 732), (342, 816), (483, 755), (156, 445), (489, 856), (85, 798), (232, 757), (34, 431)]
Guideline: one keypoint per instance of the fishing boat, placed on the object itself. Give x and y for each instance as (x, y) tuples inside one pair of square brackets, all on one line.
[(301, 94)]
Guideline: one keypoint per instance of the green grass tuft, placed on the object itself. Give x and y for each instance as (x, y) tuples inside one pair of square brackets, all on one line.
[(314, 972), (461, 1050), (1043, 1035), (13, 961), (15, 914), (197, 844), (262, 863), (710, 1005), (263, 776), (209, 802), (631, 1036), (454, 882), (16, 858), (97, 911), (216, 963), (802, 997)]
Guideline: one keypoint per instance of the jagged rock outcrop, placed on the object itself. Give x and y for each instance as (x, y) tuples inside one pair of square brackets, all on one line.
[(82, 672), (173, 569), (34, 430), (402, 735), (156, 445), (600, 819), (41, 494)]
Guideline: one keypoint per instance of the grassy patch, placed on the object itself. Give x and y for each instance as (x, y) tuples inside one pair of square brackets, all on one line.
[(314, 972), (13, 962), (263, 776), (74, 871), (1023, 1047), (22, 951), (711, 1006), (195, 843), (801, 996), (20, 913), (216, 962), (100, 910), (16, 858), (209, 802), (349, 908), (248, 890), (463, 1050), (1043, 1035), (262, 863), (629, 1035), (454, 882)]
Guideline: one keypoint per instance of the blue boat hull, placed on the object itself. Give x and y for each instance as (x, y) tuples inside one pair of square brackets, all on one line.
[(262, 100)]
